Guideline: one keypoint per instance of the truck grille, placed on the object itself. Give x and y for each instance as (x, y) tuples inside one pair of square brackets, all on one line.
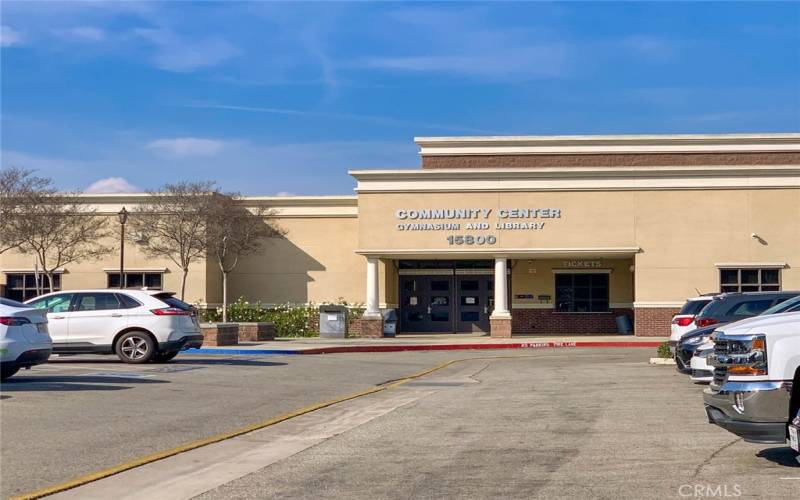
[(720, 374)]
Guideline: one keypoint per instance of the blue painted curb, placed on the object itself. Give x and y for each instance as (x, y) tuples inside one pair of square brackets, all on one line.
[(205, 350)]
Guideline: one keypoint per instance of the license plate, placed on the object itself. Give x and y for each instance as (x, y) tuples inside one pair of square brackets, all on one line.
[(42, 327), (794, 442)]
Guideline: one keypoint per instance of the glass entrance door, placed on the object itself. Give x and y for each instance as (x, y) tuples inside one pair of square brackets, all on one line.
[(475, 303), (426, 303)]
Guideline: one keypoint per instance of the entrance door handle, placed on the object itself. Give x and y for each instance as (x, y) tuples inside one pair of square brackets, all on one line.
[(57, 317), (116, 315), (429, 309)]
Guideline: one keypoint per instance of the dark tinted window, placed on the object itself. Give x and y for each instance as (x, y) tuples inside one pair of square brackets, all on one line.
[(173, 302), (694, 306), (127, 302), (581, 292), (97, 302), (750, 307), (440, 286)]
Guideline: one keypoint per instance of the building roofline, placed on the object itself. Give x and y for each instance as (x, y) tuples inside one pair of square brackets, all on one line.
[(276, 200), (608, 144)]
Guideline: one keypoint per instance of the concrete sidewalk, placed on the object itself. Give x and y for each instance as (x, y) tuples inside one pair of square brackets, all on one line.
[(427, 343)]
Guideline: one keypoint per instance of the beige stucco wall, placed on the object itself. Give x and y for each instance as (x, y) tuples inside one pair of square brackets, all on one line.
[(536, 277), (90, 274), (314, 262), (588, 219), (682, 234)]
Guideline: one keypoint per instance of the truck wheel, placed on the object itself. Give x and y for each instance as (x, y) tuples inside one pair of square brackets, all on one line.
[(135, 347), (8, 371), (163, 357)]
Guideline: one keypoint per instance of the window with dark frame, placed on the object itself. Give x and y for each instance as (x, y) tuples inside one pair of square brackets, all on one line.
[(22, 286), (136, 279), (750, 280), (586, 292)]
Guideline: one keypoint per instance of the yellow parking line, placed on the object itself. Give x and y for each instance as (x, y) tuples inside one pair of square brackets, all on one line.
[(137, 462)]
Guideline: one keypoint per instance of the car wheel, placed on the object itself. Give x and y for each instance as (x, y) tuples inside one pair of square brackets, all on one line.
[(135, 347), (163, 357), (8, 371)]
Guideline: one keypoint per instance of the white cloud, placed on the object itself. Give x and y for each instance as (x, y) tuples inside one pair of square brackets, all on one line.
[(180, 147), (85, 33), (180, 55), (284, 193), (9, 36), (112, 185)]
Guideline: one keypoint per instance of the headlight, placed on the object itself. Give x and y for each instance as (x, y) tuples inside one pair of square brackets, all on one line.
[(745, 357), (697, 340)]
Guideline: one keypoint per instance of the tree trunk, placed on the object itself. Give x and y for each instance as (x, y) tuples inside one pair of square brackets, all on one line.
[(183, 282), (50, 279), (224, 297)]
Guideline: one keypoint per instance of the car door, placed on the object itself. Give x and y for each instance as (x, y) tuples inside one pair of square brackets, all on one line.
[(58, 312), (96, 317)]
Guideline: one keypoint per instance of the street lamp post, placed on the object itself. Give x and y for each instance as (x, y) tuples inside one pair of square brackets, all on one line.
[(123, 218)]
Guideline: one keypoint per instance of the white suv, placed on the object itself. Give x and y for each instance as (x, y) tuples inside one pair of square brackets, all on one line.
[(136, 325), (24, 341), (683, 322)]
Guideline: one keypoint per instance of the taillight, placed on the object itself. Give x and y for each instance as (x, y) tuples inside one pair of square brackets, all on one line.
[(170, 311), (685, 321), (705, 322), (14, 321)]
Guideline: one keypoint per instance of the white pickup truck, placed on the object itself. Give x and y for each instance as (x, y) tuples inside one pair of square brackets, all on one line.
[(755, 392)]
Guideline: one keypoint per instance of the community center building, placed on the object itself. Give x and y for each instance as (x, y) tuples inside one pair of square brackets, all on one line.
[(528, 235)]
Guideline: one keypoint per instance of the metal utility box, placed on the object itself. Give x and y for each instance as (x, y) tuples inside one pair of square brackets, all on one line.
[(332, 322), (390, 323)]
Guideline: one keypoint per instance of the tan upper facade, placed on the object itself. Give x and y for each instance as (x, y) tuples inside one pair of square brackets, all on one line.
[(662, 214)]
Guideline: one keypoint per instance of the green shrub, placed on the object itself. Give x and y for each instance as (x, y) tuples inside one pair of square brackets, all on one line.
[(291, 320), (663, 350)]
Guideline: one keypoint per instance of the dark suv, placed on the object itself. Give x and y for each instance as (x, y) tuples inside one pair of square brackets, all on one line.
[(724, 308)]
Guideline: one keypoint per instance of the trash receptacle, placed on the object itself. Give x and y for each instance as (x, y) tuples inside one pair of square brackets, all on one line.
[(390, 323), (624, 326), (332, 322)]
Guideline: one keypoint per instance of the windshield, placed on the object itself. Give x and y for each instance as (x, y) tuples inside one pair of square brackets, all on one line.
[(782, 306)]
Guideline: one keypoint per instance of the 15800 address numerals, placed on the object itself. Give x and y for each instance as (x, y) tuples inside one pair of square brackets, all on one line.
[(472, 240)]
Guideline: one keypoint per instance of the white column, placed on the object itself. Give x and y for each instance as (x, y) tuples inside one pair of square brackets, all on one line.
[(501, 289), (372, 311)]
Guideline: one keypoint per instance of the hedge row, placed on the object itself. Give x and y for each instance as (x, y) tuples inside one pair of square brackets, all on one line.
[(291, 320)]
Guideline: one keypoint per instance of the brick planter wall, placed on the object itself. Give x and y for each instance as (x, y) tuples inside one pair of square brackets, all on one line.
[(256, 332), (549, 322), (216, 334), (653, 321)]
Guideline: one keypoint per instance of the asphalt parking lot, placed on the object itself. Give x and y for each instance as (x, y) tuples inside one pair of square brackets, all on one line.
[(597, 423)]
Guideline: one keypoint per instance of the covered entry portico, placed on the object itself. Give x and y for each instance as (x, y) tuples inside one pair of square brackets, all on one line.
[(536, 291)]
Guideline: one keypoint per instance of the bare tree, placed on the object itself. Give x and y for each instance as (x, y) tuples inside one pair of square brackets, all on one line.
[(173, 223), (234, 231), (19, 189), (60, 230)]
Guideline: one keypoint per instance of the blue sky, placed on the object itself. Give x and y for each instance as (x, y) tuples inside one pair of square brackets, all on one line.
[(272, 98)]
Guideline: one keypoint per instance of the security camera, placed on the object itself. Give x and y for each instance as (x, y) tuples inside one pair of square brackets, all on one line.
[(754, 236)]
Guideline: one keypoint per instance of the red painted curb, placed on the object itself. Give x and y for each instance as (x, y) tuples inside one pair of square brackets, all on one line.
[(457, 347)]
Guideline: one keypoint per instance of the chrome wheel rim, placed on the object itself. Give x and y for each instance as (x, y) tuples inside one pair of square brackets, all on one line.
[(134, 348)]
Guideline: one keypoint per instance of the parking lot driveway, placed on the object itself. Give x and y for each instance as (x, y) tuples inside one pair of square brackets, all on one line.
[(79, 414), (568, 424)]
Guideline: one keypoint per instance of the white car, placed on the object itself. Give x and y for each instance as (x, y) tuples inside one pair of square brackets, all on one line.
[(701, 370), (136, 325), (683, 322), (24, 341)]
